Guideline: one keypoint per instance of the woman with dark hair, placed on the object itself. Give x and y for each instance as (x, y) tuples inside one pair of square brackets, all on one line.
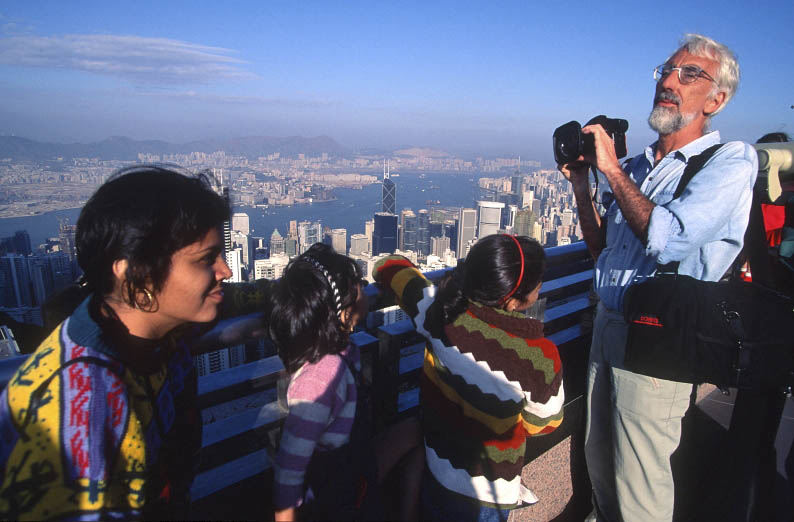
[(328, 461), (490, 379), (101, 421)]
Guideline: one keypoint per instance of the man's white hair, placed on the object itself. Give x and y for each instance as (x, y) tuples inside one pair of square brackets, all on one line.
[(727, 76)]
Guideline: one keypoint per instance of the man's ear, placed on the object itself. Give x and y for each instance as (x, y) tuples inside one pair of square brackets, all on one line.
[(714, 103)]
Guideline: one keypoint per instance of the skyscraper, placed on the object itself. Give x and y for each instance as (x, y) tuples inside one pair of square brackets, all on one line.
[(358, 244), (439, 245), (408, 221), (339, 240), (523, 225), (389, 193), (309, 233), (515, 183), (291, 246), (451, 231), (15, 285), (228, 252), (423, 233), (384, 237), (490, 218), (467, 229), (66, 234), (276, 243), (19, 243), (240, 223), (369, 228), (509, 216)]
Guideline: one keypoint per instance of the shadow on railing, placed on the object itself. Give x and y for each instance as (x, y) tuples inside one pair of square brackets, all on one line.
[(243, 407)]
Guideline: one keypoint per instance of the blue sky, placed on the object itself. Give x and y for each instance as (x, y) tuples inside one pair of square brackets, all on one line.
[(491, 78)]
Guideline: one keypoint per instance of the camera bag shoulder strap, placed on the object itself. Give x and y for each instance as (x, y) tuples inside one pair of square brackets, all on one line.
[(693, 166)]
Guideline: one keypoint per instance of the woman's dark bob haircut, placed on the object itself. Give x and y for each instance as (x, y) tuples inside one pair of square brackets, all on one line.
[(489, 273), (144, 214), (304, 322)]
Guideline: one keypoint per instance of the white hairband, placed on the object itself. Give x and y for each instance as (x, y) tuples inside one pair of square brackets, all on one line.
[(337, 299)]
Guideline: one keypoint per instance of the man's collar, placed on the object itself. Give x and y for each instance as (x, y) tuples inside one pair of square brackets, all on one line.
[(690, 149)]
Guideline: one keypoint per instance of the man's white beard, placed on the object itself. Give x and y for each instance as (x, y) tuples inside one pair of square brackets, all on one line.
[(667, 120)]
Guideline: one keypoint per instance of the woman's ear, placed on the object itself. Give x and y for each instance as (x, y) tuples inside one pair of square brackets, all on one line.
[(120, 267)]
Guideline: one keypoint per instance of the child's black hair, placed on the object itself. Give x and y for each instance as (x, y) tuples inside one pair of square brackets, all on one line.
[(487, 276), (305, 322)]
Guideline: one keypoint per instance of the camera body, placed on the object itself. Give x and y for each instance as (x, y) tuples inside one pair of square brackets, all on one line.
[(570, 142)]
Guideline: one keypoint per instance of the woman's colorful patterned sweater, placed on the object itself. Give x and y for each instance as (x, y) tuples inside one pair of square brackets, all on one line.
[(490, 379), (113, 436)]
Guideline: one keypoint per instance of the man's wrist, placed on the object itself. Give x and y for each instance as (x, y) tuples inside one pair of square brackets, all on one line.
[(613, 172)]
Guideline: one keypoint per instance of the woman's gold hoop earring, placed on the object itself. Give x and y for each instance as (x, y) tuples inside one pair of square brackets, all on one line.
[(148, 304)]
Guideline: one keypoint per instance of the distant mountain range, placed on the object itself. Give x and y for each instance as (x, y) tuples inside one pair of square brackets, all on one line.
[(127, 149)]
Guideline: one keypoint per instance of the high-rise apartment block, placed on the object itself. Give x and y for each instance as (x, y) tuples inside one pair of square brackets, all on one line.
[(220, 360), (271, 268)]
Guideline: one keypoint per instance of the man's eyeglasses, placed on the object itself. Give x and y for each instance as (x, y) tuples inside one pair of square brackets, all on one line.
[(686, 73)]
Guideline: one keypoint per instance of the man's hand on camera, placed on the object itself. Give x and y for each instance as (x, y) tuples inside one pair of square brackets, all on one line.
[(575, 171), (605, 159)]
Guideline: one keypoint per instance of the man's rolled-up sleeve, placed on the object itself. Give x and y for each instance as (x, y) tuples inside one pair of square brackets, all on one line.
[(717, 198)]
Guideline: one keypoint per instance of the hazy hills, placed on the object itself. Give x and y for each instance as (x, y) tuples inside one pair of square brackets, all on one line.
[(127, 149)]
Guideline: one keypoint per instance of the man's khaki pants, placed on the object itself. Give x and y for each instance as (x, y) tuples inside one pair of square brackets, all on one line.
[(633, 426)]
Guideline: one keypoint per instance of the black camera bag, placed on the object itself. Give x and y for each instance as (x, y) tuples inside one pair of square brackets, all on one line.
[(728, 333)]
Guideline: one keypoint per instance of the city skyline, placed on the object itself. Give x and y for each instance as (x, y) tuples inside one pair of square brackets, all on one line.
[(467, 78)]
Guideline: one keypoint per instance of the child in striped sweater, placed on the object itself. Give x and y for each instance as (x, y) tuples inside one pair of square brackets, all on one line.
[(490, 379), (328, 461)]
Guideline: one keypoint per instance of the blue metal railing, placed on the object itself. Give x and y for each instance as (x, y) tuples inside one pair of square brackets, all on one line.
[(239, 447)]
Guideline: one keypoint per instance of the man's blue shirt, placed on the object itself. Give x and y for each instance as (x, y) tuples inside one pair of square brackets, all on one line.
[(703, 229)]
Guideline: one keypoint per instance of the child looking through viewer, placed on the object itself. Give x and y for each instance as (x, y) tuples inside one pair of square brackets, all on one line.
[(328, 459), (490, 379)]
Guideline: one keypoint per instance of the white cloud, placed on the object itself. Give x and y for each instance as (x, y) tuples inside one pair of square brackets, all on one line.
[(136, 58), (221, 99)]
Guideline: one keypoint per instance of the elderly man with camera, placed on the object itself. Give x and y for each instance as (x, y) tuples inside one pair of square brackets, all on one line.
[(634, 421)]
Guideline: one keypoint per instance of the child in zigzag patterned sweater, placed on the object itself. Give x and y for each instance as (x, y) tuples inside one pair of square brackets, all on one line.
[(490, 379), (329, 464)]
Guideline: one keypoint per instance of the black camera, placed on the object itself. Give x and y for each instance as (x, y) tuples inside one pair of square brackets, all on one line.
[(570, 142)]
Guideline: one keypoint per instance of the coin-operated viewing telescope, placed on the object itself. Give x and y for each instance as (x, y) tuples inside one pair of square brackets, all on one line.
[(775, 168)]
